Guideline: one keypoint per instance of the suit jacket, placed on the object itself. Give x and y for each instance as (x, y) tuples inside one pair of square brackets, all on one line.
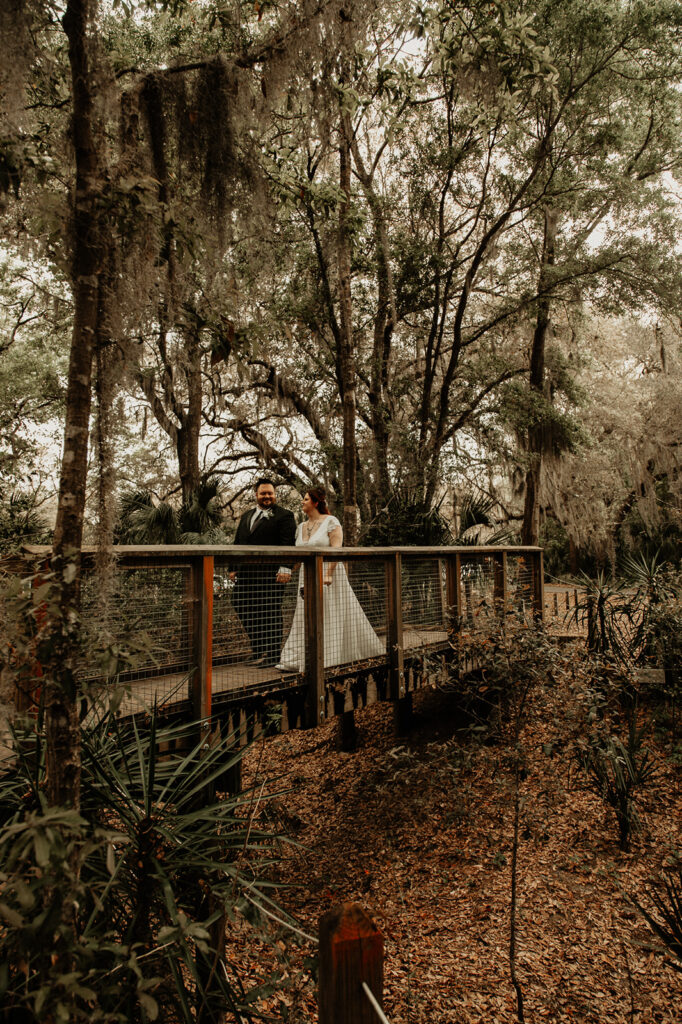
[(277, 529)]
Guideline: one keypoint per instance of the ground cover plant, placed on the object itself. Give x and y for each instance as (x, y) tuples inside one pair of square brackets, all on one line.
[(421, 832)]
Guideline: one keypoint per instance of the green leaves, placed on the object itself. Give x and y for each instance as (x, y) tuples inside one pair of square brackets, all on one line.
[(407, 519), (494, 45), (147, 869), (197, 521), (617, 770), (660, 904)]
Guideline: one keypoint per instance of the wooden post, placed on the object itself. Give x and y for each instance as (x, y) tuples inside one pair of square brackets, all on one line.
[(403, 715), (538, 587), (453, 596), (347, 736), (202, 638), (201, 658), (351, 951), (230, 781), (394, 628), (500, 583), (453, 587), (402, 707), (314, 633)]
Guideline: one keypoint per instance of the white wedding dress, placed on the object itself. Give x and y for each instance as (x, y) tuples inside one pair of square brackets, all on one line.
[(348, 635)]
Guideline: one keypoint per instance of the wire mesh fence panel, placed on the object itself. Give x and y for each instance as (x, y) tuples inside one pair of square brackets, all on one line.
[(230, 640), (368, 580), (253, 607), (478, 576), (424, 603), (142, 614), (353, 600), (520, 586)]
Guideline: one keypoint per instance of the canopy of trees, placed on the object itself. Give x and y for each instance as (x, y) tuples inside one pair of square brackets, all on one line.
[(382, 246)]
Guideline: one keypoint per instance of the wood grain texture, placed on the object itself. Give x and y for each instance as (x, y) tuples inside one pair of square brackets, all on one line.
[(351, 951)]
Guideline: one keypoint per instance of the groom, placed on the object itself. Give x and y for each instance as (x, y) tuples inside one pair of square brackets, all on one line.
[(257, 596)]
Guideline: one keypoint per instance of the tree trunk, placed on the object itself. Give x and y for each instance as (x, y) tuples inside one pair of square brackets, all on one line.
[(530, 526), (188, 460), (351, 512), (166, 400), (62, 725), (384, 324), (187, 438)]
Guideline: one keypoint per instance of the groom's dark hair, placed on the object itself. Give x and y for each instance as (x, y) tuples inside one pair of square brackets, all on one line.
[(263, 480)]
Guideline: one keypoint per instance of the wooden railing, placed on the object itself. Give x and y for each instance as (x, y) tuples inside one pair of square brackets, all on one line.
[(180, 595)]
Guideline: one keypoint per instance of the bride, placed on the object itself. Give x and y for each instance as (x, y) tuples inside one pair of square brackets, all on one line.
[(348, 635)]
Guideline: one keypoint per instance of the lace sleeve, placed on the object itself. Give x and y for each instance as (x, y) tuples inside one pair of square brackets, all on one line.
[(332, 523)]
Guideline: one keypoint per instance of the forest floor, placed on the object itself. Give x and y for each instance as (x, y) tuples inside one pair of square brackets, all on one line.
[(419, 831)]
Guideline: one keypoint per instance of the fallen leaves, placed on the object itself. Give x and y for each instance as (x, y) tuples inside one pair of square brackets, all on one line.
[(422, 839)]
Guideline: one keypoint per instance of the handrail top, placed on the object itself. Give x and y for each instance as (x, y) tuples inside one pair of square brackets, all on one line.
[(298, 553)]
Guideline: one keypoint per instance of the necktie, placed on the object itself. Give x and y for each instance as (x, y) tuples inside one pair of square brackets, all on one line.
[(254, 519)]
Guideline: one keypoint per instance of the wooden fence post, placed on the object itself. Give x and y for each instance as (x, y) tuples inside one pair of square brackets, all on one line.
[(500, 584), (453, 596), (402, 707), (201, 655), (453, 589), (201, 659), (538, 564), (351, 951), (202, 640), (314, 631)]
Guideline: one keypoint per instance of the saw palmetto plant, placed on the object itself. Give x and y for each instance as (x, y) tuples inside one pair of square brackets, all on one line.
[(154, 866), (617, 771), (660, 904)]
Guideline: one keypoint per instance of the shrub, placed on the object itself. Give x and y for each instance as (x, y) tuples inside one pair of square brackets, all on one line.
[(119, 910), (616, 770), (407, 520), (608, 608), (21, 521), (505, 660)]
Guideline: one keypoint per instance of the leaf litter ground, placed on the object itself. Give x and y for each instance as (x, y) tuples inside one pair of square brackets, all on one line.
[(419, 830)]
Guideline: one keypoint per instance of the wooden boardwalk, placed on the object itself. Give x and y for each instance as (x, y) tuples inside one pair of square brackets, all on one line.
[(242, 682), (240, 689), (178, 601)]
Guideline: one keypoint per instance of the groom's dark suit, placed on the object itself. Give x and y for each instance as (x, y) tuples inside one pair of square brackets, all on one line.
[(257, 596)]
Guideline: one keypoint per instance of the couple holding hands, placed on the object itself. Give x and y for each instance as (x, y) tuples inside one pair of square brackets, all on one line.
[(258, 592)]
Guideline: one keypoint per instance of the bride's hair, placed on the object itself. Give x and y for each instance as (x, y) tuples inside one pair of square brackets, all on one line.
[(318, 496)]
